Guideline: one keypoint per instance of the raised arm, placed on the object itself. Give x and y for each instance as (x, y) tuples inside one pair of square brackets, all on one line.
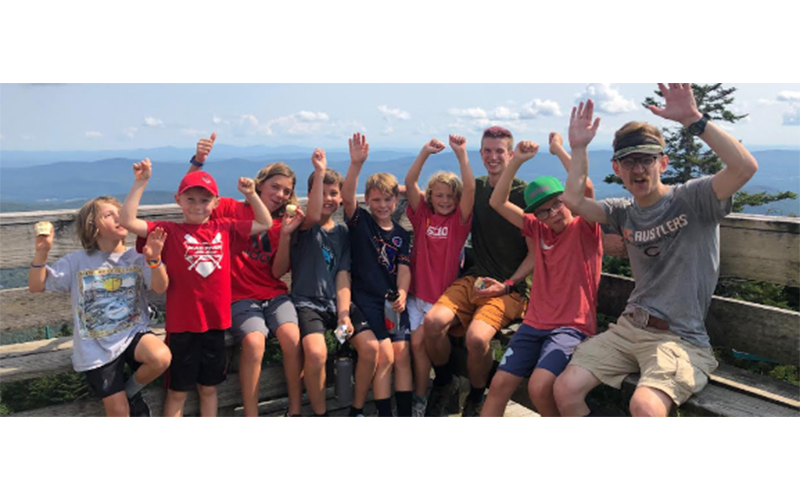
[(499, 201), (37, 273), (557, 150), (142, 172), (263, 219), (159, 280), (359, 152), (581, 132), (459, 145), (740, 166), (413, 192), (204, 147), (314, 209), (282, 261)]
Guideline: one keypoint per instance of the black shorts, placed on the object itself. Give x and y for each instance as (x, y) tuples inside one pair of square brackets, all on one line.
[(312, 320), (373, 312), (109, 379), (197, 358)]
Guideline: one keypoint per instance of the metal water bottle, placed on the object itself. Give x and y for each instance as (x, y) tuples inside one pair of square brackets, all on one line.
[(391, 317), (343, 377)]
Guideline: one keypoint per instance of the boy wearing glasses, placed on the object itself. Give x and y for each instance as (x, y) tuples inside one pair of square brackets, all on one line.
[(672, 237), (568, 259)]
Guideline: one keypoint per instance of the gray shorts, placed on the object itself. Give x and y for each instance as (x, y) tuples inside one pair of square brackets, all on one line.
[(261, 316)]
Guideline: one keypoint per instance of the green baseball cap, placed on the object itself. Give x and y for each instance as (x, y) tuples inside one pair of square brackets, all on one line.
[(541, 191)]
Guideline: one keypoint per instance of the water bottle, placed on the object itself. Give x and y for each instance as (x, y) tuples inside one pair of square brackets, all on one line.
[(391, 317), (343, 378)]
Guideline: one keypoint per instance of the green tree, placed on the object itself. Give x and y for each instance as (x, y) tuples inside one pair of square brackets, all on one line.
[(689, 158)]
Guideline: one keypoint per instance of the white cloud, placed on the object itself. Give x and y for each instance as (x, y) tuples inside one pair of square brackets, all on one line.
[(193, 132), (607, 99), (789, 96), (311, 116), (538, 107), (388, 130), (130, 132), (396, 113), (766, 102), (504, 113), (150, 121), (217, 120), (792, 117), (476, 113), (91, 134)]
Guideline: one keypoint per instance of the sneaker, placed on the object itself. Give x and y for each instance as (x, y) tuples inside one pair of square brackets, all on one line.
[(138, 406), (440, 401), (473, 409), (419, 406)]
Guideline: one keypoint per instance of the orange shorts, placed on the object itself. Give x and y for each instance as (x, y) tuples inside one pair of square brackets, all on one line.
[(497, 312)]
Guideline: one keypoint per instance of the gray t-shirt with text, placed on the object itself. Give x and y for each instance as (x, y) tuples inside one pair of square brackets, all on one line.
[(674, 254)]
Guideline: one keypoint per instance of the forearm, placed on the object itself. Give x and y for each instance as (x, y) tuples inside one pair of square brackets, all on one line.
[(343, 294), (525, 269), (413, 191), (260, 211), (159, 280), (468, 180), (349, 188), (403, 278), (130, 207), (314, 209), (732, 153), (282, 262), (37, 275)]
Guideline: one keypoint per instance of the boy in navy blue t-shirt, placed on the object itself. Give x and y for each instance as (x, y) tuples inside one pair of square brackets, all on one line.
[(382, 250)]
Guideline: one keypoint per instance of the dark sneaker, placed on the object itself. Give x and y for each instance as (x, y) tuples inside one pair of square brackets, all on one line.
[(138, 406), (473, 409), (441, 399)]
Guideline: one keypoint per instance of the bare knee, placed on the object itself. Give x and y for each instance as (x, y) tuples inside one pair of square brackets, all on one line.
[(434, 325), (116, 405), (540, 388), (477, 345), (253, 347), (162, 359), (418, 342), (206, 391), (402, 357), (566, 390), (385, 360), (648, 404), (315, 357), (504, 384), (368, 352)]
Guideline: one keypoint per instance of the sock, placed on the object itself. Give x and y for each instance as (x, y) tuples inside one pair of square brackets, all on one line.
[(443, 375), (404, 399), (132, 387), (384, 407), (354, 412), (476, 394)]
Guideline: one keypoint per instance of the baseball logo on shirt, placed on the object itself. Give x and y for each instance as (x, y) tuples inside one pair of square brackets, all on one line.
[(205, 258)]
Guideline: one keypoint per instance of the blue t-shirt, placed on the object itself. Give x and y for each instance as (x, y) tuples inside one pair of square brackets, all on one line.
[(376, 253), (317, 257)]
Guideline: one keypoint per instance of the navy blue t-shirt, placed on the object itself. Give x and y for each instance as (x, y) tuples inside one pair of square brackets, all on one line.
[(376, 253)]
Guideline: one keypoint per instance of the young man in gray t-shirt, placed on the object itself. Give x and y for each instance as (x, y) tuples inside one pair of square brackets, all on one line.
[(672, 237)]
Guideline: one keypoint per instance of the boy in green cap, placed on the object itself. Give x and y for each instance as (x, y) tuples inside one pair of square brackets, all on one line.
[(568, 261)]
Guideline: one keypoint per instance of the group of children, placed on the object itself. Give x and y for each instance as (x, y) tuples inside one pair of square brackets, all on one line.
[(222, 266)]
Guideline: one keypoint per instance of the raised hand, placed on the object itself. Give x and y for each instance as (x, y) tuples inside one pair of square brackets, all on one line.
[(204, 147), (155, 243), (292, 222), (556, 143), (525, 151), (458, 143), (433, 147), (680, 105), (44, 242), (143, 170), (247, 186), (581, 128), (319, 160), (359, 148)]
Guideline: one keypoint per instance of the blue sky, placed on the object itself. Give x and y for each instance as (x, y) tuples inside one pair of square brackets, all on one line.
[(126, 116)]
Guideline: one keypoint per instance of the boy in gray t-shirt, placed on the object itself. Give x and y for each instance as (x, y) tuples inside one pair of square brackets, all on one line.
[(672, 237), (318, 251)]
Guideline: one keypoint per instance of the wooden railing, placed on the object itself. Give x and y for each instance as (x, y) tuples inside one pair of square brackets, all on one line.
[(752, 247)]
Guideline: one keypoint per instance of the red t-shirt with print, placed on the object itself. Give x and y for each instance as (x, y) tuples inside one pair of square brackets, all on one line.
[(566, 276), (436, 254), (198, 260), (251, 268)]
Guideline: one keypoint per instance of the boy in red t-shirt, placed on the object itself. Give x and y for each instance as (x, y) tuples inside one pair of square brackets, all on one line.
[(197, 255), (562, 311), (442, 220)]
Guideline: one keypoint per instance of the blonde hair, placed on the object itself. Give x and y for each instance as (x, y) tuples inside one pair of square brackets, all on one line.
[(633, 129), (448, 179), (385, 183), (85, 221), (272, 170)]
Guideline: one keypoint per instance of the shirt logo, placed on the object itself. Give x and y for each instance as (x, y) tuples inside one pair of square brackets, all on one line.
[(205, 258)]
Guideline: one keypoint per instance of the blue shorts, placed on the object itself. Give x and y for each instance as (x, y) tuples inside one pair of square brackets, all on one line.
[(548, 349), (373, 313)]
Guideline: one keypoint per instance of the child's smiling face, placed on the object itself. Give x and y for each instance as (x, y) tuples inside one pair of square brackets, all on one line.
[(197, 204)]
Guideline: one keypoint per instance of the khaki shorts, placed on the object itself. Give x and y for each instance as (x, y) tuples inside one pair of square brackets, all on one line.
[(497, 312), (666, 362)]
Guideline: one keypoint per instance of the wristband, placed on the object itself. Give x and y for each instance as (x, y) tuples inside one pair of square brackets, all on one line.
[(34, 266), (195, 162), (509, 286), (154, 263)]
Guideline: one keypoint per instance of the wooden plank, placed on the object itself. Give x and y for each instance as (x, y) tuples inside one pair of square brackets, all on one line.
[(761, 386), (761, 248), (766, 331), (272, 385), (22, 310)]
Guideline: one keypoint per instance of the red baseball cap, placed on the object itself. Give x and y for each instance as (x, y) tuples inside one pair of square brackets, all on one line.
[(201, 179)]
